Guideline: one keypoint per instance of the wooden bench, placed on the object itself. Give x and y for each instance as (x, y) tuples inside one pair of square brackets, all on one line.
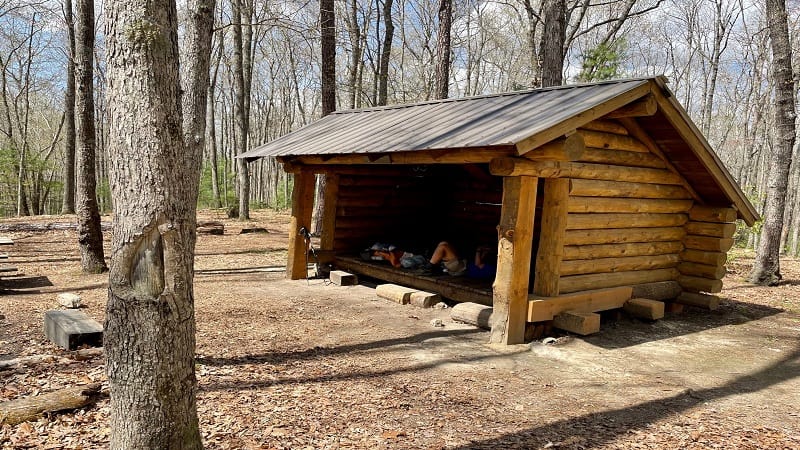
[(70, 329), (4, 240), (460, 289)]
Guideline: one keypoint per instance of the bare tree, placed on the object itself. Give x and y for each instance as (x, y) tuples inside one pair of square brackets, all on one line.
[(327, 22), (90, 236), (386, 51), (766, 268), (241, 45), (150, 325), (552, 43), (68, 198), (443, 49)]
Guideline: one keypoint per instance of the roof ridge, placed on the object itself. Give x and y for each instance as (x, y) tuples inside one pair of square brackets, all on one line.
[(485, 96)]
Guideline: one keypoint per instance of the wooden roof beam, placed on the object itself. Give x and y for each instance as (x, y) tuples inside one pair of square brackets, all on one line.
[(596, 112), (646, 106)]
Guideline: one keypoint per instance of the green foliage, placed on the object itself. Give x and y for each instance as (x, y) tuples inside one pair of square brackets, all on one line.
[(205, 198), (603, 62)]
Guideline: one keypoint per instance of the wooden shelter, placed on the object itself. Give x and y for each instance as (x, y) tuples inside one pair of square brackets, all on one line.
[(597, 195)]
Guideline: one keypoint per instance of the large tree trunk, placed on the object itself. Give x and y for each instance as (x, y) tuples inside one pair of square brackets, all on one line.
[(766, 269), (354, 30), (552, 43), (443, 49), (386, 51), (68, 198), (90, 236), (150, 323), (327, 22), (240, 112), (533, 17), (195, 64)]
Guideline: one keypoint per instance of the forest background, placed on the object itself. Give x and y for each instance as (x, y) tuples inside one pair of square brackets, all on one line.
[(715, 53)]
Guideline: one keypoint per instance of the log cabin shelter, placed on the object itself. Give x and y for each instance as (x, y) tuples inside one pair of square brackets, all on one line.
[(598, 196)]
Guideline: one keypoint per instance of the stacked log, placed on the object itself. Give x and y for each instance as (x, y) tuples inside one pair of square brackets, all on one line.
[(632, 224), (709, 235)]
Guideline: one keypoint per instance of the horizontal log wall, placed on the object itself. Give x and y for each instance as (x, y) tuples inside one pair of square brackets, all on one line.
[(709, 236), (624, 231)]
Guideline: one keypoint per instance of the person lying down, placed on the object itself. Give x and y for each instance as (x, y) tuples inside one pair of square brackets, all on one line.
[(445, 259)]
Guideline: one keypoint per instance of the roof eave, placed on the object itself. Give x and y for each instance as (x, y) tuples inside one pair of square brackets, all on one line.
[(680, 119)]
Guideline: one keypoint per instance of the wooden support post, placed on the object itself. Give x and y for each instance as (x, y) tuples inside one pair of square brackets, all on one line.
[(645, 308), (542, 309), (510, 297), (302, 208), (551, 243), (581, 323), (329, 217)]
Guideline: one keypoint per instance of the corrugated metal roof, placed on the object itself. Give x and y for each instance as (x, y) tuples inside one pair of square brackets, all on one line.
[(491, 120)]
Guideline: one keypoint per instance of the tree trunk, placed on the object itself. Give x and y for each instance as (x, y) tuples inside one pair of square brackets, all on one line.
[(68, 198), (240, 113), (90, 236), (195, 65), (211, 127), (552, 43), (383, 70), (355, 55), (327, 21), (534, 56), (766, 268), (150, 323), (443, 49)]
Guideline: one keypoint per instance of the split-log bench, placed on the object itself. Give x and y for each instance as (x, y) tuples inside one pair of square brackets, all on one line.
[(4, 269), (460, 289)]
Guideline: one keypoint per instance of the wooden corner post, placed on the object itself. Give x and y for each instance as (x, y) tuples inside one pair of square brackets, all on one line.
[(302, 208), (551, 242), (515, 232)]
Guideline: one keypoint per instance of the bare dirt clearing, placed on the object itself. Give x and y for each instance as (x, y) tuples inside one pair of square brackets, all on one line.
[(295, 364)]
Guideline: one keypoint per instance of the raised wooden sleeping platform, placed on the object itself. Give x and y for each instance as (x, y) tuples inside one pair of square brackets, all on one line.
[(460, 289)]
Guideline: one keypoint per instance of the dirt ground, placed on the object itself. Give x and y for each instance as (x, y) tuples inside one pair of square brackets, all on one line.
[(310, 365)]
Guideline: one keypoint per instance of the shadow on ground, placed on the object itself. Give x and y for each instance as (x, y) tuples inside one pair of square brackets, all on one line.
[(596, 429), (626, 332)]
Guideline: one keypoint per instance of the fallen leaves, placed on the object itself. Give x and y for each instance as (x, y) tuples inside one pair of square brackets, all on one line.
[(296, 365)]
